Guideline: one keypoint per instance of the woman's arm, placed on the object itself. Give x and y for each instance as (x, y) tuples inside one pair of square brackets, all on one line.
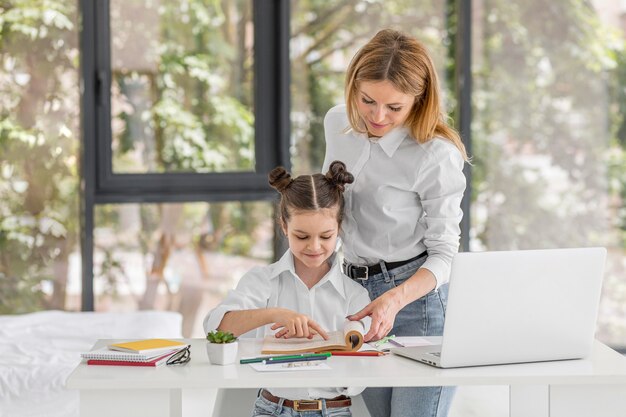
[(291, 323)]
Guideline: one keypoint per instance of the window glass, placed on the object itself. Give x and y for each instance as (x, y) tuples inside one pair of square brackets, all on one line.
[(178, 257), (548, 135), (39, 142), (182, 86)]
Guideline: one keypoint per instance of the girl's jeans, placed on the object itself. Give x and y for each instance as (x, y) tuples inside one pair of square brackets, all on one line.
[(265, 408)]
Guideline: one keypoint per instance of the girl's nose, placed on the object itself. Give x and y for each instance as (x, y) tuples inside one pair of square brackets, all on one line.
[(314, 244)]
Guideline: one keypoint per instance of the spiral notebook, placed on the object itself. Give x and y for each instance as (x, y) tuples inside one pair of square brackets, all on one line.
[(158, 361), (114, 355)]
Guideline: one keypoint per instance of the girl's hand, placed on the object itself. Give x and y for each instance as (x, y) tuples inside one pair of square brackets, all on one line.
[(296, 325), (383, 311)]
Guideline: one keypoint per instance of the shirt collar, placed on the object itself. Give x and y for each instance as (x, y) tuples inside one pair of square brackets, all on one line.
[(392, 140), (334, 275), (285, 263)]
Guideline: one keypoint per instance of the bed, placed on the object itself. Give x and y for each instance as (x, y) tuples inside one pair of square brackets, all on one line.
[(39, 350)]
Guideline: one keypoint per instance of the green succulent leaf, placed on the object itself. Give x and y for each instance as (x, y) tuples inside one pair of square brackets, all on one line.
[(221, 337)]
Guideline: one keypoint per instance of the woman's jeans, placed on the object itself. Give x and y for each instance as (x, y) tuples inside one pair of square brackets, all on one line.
[(265, 408), (423, 317)]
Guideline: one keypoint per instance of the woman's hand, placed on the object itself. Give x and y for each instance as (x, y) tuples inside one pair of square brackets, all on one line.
[(296, 325), (383, 311)]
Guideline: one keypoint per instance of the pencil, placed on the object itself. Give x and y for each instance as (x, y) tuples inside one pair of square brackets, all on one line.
[(368, 353), (272, 358), (271, 361)]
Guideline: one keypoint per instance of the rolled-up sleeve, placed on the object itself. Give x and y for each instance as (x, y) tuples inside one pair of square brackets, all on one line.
[(440, 186), (253, 291), (357, 303)]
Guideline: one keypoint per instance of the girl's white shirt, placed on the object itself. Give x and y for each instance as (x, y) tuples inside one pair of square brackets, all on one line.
[(328, 302), (406, 197)]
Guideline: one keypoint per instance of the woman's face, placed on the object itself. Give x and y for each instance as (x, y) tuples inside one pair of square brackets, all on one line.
[(382, 107)]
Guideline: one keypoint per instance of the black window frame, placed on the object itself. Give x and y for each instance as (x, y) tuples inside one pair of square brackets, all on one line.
[(100, 185)]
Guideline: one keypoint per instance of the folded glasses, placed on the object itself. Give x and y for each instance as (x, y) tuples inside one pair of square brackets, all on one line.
[(180, 357)]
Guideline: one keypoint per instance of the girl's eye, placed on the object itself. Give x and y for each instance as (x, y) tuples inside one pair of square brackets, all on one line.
[(366, 101), (302, 237), (395, 108), (325, 237)]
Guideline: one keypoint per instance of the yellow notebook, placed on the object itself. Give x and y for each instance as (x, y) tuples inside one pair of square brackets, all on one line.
[(147, 345)]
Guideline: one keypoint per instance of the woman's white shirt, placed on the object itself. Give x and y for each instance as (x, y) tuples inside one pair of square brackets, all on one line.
[(328, 303), (405, 199)]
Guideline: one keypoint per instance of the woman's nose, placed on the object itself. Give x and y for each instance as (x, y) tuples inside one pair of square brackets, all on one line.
[(379, 114)]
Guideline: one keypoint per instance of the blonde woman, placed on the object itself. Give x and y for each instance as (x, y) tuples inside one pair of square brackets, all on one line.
[(403, 210)]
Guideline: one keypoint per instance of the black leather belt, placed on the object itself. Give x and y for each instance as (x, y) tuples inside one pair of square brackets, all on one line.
[(363, 272)]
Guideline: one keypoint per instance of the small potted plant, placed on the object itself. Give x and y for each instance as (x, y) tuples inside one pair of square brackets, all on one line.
[(221, 347)]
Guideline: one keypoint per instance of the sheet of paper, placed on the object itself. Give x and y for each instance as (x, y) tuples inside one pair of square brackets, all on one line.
[(404, 341), (413, 341), (291, 366), (369, 347)]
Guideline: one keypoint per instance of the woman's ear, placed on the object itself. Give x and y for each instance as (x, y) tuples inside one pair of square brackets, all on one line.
[(283, 226)]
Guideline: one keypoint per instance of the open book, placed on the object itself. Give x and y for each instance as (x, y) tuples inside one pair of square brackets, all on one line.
[(348, 339)]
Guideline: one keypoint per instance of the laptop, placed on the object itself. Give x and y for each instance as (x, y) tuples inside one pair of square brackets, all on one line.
[(518, 306)]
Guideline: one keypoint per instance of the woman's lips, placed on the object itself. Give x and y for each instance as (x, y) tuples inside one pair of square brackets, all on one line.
[(376, 125)]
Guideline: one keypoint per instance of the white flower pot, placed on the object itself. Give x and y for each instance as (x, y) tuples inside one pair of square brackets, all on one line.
[(222, 353)]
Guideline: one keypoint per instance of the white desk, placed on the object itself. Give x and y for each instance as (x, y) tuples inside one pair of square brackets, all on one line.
[(579, 388)]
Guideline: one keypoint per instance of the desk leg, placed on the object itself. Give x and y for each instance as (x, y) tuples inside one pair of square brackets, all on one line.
[(529, 401), (136, 403), (587, 400)]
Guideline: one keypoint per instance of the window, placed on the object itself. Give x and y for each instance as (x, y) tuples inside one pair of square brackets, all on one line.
[(177, 109), (185, 106), (548, 136), (182, 257)]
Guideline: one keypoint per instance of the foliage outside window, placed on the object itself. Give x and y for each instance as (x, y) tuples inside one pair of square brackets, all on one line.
[(182, 86), (39, 142)]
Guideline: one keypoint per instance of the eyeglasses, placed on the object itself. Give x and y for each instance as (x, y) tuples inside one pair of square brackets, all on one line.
[(181, 357)]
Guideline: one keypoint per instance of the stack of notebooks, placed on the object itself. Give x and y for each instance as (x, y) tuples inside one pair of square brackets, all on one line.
[(150, 352)]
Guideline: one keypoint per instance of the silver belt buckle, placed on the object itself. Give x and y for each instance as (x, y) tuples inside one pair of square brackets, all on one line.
[(367, 273), (349, 268)]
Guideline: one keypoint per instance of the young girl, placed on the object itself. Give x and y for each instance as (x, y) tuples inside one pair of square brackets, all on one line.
[(402, 229), (305, 292)]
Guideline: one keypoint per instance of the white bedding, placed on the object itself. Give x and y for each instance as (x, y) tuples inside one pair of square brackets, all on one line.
[(39, 350)]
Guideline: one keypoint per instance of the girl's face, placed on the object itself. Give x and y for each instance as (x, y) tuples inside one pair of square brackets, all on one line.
[(312, 236), (382, 107)]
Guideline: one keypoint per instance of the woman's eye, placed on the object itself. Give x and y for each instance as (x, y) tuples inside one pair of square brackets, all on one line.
[(325, 237), (366, 101), (395, 108), (302, 237)]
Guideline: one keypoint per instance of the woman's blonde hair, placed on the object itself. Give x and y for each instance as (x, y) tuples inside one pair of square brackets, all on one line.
[(403, 61)]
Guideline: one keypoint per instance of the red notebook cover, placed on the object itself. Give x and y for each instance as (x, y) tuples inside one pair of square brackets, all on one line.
[(154, 362)]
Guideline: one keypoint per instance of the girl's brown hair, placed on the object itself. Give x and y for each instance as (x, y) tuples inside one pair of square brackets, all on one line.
[(311, 192), (403, 61)]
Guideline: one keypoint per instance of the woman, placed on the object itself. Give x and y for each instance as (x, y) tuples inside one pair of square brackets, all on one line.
[(402, 216)]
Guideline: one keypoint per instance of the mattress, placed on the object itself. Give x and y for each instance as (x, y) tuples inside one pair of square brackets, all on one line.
[(38, 351)]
